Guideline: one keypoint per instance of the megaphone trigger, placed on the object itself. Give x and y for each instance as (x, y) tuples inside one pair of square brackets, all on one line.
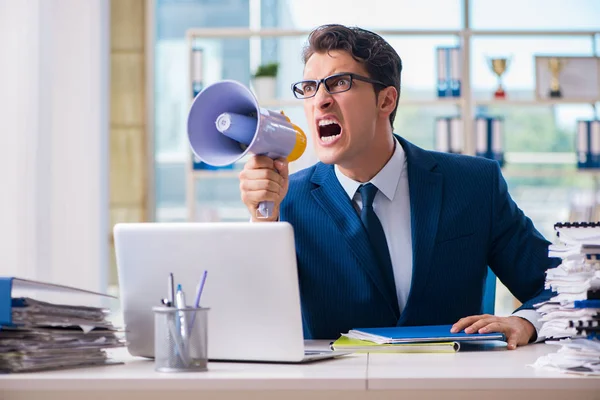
[(265, 209)]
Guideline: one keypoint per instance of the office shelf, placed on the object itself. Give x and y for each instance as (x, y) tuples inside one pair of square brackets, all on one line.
[(452, 101), (516, 171), (517, 32), (465, 106), (216, 174), (275, 32), (532, 102)]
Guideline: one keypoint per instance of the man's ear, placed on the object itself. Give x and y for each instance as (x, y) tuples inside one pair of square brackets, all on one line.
[(387, 100)]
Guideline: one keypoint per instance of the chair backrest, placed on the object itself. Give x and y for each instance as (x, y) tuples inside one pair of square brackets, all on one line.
[(489, 293)]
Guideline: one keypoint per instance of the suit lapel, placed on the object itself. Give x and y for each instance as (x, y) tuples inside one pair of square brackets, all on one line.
[(330, 195), (425, 187)]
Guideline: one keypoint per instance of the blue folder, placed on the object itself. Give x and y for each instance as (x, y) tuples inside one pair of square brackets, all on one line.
[(419, 334), (8, 299)]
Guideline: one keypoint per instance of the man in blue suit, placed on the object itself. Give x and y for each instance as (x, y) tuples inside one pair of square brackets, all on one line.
[(388, 233)]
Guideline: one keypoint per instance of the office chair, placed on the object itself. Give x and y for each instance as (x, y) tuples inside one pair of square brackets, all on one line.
[(489, 293)]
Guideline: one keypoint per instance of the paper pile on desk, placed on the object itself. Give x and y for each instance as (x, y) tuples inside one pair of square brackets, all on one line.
[(575, 356), (48, 336), (573, 314)]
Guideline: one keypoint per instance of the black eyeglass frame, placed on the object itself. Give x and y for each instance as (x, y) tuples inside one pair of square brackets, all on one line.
[(319, 81)]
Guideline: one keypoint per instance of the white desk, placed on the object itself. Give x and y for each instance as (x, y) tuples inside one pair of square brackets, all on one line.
[(483, 375), (486, 375)]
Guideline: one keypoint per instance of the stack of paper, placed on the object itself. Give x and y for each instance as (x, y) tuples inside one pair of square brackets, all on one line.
[(573, 314), (575, 356), (36, 335)]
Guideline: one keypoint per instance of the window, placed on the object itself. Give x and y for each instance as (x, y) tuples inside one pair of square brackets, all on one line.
[(227, 58), (372, 14), (539, 138), (535, 15)]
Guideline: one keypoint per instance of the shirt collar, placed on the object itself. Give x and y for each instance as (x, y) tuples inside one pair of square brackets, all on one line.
[(386, 179)]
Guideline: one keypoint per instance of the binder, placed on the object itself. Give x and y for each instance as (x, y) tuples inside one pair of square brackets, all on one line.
[(587, 304), (8, 284), (594, 135), (580, 233), (455, 71), (448, 71), (36, 335), (197, 70), (588, 144), (443, 73), (345, 343), (419, 334), (449, 135), (442, 135), (583, 145), (456, 136), (489, 137)]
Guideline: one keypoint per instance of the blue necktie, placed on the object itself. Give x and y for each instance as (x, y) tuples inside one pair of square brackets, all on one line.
[(377, 238)]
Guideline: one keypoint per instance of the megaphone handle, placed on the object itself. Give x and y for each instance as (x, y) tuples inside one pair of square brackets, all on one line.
[(265, 209)]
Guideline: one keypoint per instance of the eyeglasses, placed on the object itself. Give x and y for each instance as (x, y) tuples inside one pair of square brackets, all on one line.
[(337, 83)]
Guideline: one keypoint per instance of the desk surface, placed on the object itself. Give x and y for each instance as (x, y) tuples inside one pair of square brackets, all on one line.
[(498, 369), (495, 369), (344, 373)]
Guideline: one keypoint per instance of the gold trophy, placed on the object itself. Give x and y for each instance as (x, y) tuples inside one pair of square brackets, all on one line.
[(555, 65), (499, 66)]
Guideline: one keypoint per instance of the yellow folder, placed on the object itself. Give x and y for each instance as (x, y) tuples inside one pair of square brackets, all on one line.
[(363, 346)]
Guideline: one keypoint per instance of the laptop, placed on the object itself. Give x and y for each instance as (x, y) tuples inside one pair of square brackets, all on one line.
[(251, 287)]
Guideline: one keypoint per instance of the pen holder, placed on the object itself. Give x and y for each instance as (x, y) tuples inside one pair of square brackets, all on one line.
[(180, 339)]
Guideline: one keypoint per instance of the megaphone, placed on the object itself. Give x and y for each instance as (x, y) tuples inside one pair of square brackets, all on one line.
[(225, 123)]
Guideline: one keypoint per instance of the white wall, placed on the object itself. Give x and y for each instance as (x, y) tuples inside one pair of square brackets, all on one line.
[(54, 132)]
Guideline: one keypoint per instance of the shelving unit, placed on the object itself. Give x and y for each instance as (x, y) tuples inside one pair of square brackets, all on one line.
[(515, 171), (465, 104), (277, 103), (216, 174), (533, 102)]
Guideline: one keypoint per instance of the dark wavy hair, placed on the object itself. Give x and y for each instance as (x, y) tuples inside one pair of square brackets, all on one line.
[(379, 57)]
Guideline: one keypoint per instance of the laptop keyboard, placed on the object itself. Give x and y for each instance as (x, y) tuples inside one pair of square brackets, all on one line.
[(313, 352)]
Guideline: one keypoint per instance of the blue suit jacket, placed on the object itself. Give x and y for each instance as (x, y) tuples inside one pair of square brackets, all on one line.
[(463, 220)]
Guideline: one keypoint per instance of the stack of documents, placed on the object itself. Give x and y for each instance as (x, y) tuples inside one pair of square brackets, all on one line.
[(575, 356), (37, 335), (408, 339), (572, 316)]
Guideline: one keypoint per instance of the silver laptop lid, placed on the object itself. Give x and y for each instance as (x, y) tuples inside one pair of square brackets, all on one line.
[(251, 287)]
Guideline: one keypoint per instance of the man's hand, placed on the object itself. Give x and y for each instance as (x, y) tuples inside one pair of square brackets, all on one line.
[(518, 330), (264, 179)]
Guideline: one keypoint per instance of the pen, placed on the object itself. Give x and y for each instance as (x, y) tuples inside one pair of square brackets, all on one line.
[(198, 295), (166, 302), (200, 289), (182, 325), (179, 345), (179, 298), (171, 290)]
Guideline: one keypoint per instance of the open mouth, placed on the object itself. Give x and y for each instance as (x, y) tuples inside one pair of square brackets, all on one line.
[(329, 130)]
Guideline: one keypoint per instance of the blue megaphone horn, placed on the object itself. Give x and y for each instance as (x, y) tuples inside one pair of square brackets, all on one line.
[(225, 123)]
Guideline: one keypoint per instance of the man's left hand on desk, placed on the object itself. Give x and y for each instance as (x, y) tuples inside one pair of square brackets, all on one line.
[(518, 330)]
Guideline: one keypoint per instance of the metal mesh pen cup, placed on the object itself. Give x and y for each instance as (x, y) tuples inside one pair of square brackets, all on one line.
[(180, 339)]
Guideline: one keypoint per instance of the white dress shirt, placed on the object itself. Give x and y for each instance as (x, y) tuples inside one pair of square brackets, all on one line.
[(392, 206)]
